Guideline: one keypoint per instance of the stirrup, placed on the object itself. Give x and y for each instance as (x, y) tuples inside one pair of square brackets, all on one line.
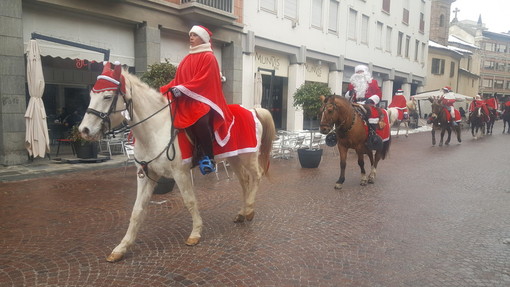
[(206, 165)]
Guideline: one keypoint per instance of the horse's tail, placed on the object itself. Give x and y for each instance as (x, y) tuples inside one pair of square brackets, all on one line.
[(386, 148), (268, 136)]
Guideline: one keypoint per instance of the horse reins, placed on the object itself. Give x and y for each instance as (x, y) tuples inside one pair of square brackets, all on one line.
[(106, 122), (340, 129)]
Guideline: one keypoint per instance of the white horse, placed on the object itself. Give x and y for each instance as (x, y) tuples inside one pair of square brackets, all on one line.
[(157, 155), (393, 116)]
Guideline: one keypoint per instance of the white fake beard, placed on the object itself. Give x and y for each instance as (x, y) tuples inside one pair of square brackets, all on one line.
[(360, 83)]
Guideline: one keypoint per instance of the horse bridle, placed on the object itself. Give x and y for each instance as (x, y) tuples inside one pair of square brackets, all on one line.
[(340, 129), (105, 117), (105, 120)]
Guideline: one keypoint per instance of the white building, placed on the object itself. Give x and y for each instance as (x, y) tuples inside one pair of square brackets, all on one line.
[(291, 42)]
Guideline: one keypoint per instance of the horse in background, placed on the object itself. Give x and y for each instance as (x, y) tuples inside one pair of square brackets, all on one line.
[(477, 119), (439, 121), (393, 114), (506, 118), (346, 121), (493, 115), (159, 152)]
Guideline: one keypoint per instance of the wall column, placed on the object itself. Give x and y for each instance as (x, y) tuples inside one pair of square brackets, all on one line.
[(147, 47), (387, 90), (12, 85), (335, 82), (296, 79)]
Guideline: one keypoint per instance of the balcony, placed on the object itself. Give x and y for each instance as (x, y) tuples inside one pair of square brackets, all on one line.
[(215, 12), (223, 5)]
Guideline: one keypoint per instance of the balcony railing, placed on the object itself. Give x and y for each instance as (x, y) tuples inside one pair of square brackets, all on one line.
[(224, 5)]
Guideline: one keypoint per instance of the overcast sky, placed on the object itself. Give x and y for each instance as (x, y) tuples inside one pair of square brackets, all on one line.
[(495, 13)]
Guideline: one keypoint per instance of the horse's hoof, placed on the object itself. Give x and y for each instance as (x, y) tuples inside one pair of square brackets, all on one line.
[(192, 241), (371, 180), (363, 183), (239, 218), (338, 186), (250, 216), (114, 257)]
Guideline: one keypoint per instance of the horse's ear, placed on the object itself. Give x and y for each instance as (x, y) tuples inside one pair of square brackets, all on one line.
[(106, 67), (117, 70), (323, 98)]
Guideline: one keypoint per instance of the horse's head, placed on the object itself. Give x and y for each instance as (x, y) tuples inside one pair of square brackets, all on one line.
[(437, 106), (104, 109), (330, 114)]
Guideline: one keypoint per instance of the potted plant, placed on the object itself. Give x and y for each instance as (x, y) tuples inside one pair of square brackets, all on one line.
[(307, 98), (84, 149)]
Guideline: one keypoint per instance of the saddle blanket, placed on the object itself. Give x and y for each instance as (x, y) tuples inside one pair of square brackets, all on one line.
[(449, 116), (385, 132), (243, 136)]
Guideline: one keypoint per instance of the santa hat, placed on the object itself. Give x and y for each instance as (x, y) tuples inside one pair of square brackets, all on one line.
[(361, 68), (447, 88), (375, 99), (202, 32), (478, 97), (110, 80), (399, 92)]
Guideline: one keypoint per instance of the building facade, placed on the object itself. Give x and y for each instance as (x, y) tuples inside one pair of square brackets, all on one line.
[(493, 52), (76, 36), (291, 42), (285, 42)]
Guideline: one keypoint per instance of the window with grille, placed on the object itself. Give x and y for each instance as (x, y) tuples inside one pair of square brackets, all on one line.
[(268, 5), (437, 66), (333, 16), (364, 29), (386, 6), (291, 9), (317, 13), (353, 19)]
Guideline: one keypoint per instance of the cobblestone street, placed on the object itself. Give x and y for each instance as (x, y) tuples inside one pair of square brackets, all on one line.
[(436, 216)]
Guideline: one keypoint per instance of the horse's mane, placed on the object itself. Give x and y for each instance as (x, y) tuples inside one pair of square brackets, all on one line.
[(136, 87)]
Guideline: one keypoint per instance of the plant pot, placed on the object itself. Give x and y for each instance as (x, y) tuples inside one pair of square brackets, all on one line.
[(309, 158), (86, 150)]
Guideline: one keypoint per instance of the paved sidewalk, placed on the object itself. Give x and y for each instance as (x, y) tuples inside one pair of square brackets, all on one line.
[(44, 167)]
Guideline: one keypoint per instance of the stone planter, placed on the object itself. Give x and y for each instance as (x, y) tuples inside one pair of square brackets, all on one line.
[(86, 149), (309, 158)]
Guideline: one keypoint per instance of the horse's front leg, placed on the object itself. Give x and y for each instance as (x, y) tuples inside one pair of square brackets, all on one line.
[(407, 127), (361, 163), (145, 187), (182, 178), (458, 131), (433, 136), (447, 142), (343, 163)]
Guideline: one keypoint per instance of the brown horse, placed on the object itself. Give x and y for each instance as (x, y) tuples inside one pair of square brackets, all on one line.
[(348, 122), (477, 120), (439, 120), (506, 119)]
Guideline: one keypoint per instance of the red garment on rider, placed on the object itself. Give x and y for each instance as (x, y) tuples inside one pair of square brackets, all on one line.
[(448, 102), (373, 89), (399, 102), (385, 132), (493, 103), (198, 79), (477, 104)]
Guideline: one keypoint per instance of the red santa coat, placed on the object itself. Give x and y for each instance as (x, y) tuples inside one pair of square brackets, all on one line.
[(373, 89), (493, 103), (399, 102), (198, 79)]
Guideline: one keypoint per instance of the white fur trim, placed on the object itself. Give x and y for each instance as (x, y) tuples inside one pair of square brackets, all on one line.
[(375, 98), (361, 68), (109, 79), (373, 120), (201, 32)]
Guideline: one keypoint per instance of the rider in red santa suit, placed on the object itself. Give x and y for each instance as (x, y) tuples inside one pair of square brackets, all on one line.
[(199, 99), (477, 103), (492, 104), (448, 101), (399, 102), (363, 87)]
